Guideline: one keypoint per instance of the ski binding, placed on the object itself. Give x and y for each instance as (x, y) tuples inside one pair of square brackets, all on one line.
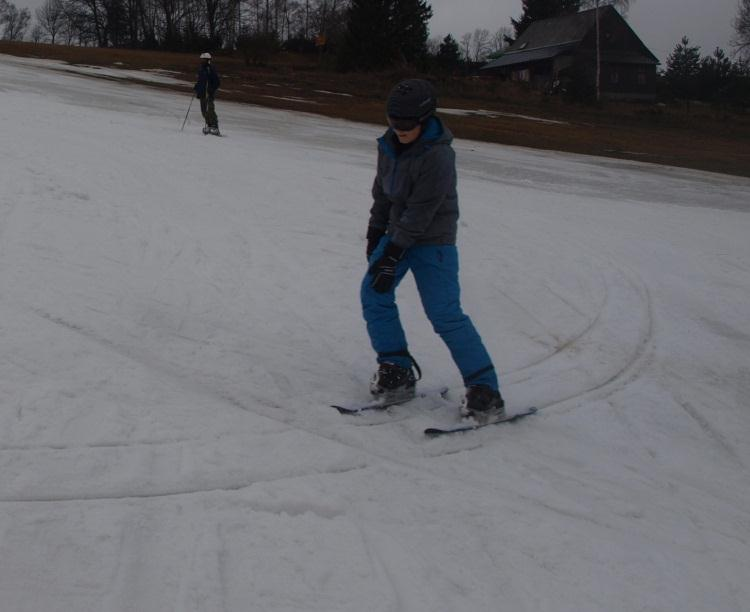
[(434, 432), (379, 405)]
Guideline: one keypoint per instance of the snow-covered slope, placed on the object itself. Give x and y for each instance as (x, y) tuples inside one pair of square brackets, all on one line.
[(177, 311)]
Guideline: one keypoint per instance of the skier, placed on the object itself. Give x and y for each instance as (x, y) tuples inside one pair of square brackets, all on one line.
[(412, 226), (205, 90)]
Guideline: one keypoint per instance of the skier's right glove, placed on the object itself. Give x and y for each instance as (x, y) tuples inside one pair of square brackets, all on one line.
[(373, 239), (384, 269)]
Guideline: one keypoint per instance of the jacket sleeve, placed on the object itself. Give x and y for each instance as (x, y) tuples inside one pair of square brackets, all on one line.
[(381, 205), (435, 179)]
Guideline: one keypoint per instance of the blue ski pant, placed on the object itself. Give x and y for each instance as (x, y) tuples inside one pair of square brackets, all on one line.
[(435, 270)]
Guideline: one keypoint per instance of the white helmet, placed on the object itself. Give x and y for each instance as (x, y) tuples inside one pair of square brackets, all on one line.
[(206, 56)]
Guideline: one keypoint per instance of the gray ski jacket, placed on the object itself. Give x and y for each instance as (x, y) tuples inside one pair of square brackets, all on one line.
[(414, 193)]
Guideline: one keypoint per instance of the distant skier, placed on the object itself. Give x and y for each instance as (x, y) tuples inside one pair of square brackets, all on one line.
[(412, 226), (205, 90)]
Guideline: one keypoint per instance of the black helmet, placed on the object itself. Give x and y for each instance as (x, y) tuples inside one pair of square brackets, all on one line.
[(412, 99)]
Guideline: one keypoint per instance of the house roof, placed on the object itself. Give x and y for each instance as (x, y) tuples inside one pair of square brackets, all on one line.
[(531, 55), (557, 30), (548, 38)]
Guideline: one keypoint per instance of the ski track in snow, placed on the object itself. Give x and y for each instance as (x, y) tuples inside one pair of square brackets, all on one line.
[(593, 337), (178, 312)]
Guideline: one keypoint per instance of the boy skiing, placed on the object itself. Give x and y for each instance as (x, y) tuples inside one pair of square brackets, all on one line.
[(205, 90), (412, 226)]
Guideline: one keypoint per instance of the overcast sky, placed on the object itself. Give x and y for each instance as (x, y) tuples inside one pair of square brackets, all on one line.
[(660, 23)]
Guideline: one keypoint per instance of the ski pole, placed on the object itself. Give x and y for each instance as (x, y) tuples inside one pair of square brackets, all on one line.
[(187, 113)]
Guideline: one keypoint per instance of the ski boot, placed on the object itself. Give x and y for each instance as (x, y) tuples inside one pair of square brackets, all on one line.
[(214, 131), (482, 404), (393, 384), (206, 129)]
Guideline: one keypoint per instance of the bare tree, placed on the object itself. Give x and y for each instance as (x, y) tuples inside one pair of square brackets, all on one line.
[(466, 46), (433, 45), (73, 27), (218, 14), (286, 18), (50, 18), (37, 34), (499, 41), (91, 19), (480, 44), (174, 24), (295, 13), (15, 21), (741, 41)]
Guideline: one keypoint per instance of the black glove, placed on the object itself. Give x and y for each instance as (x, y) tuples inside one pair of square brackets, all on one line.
[(384, 269), (373, 239)]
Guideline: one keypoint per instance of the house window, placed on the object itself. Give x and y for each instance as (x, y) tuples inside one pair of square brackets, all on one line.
[(641, 77), (614, 77), (522, 75)]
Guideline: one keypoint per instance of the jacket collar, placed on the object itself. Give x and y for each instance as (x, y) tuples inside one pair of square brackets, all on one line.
[(433, 133)]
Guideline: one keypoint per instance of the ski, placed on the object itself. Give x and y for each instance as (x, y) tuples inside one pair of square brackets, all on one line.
[(434, 432), (376, 405)]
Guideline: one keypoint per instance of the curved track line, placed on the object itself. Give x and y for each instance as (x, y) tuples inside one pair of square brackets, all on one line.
[(575, 368), (611, 346)]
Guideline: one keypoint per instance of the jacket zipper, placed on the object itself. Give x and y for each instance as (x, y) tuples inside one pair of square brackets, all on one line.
[(393, 176)]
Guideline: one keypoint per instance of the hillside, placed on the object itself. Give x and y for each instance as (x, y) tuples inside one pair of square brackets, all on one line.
[(178, 312), (482, 109)]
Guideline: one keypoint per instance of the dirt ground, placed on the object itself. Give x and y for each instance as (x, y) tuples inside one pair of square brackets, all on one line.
[(479, 108)]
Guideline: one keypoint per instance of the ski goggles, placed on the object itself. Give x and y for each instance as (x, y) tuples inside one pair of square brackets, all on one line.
[(403, 124)]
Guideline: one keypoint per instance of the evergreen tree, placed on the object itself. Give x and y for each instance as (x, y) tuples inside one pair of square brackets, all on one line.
[(718, 78), (409, 30), (715, 71), (381, 33), (366, 35), (683, 67), (448, 57), (534, 10)]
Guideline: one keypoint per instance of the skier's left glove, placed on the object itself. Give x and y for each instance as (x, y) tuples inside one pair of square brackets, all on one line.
[(383, 271), (373, 239)]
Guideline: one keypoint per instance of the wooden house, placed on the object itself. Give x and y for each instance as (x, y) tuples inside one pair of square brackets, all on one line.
[(561, 52)]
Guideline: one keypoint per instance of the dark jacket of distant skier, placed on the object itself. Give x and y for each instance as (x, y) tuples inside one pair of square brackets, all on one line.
[(208, 81), (424, 175), (205, 89)]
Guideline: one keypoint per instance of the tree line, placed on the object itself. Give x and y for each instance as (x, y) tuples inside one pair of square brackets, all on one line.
[(375, 33), (715, 78), (170, 24), (365, 35), (361, 34)]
